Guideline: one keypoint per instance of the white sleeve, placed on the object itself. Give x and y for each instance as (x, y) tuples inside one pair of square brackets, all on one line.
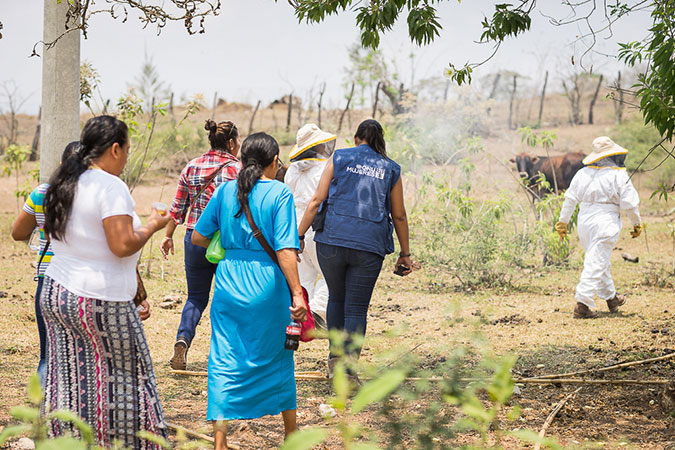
[(629, 198), (571, 200), (116, 200)]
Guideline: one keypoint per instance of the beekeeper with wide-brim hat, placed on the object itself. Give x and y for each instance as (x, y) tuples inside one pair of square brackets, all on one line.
[(308, 157), (602, 189)]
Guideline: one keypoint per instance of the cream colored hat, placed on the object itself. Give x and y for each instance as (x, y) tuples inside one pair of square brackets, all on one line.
[(308, 136), (602, 148)]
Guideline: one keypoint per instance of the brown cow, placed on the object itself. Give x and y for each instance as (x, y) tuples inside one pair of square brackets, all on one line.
[(565, 167)]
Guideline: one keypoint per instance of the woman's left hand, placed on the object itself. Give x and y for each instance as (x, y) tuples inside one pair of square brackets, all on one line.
[(144, 312), (299, 308)]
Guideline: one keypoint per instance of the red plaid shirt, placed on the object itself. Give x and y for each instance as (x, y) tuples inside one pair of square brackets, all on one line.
[(192, 179)]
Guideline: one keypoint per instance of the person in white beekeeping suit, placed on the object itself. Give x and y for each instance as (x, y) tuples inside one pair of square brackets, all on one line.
[(602, 189), (308, 157)]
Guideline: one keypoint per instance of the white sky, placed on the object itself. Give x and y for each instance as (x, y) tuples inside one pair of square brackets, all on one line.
[(255, 49)]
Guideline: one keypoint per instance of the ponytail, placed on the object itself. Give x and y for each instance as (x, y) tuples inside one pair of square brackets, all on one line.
[(371, 131), (98, 134), (257, 152)]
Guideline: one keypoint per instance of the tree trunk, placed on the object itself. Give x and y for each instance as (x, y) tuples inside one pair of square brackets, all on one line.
[(213, 110), (573, 95), (321, 92), (393, 98), (541, 100), (173, 118), (60, 123), (36, 140), (445, 91), (377, 97), (513, 95), (290, 111), (595, 97), (495, 83), (618, 105), (349, 100), (250, 124)]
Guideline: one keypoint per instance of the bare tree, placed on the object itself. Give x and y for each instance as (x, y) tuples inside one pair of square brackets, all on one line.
[(541, 100), (321, 92), (34, 148), (593, 99), (13, 101), (573, 94), (250, 124), (290, 111), (215, 103), (377, 97), (618, 104), (349, 100), (513, 95)]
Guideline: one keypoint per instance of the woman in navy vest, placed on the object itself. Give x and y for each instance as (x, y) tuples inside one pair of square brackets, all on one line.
[(361, 195)]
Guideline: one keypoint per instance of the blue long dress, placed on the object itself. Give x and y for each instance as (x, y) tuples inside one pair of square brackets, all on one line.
[(251, 374)]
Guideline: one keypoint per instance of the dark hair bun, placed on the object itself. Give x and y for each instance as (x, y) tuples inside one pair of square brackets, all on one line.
[(210, 125)]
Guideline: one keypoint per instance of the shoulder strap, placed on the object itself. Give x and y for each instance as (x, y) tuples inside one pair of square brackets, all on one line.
[(42, 256), (208, 182), (259, 236)]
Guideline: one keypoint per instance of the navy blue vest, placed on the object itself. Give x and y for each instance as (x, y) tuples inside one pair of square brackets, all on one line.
[(358, 211)]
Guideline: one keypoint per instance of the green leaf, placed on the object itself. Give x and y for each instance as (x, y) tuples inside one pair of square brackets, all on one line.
[(61, 443), (340, 384), (69, 416), (34, 390), (148, 436), (12, 431), (377, 389), (364, 446), (533, 437), (305, 439), (25, 413)]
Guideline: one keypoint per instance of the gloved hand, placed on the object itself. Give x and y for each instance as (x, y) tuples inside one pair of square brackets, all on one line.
[(561, 228), (637, 229)]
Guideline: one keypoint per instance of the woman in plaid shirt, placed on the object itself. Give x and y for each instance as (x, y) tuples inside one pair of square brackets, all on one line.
[(218, 165)]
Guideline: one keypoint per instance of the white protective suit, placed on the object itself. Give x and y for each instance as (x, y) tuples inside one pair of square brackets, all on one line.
[(602, 193), (303, 178)]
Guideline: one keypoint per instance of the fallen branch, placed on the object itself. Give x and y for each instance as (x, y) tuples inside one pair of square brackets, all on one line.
[(312, 375), (319, 376), (605, 369), (584, 381), (551, 416), (201, 436)]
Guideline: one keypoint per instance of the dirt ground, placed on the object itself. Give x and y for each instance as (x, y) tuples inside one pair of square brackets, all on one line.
[(532, 321)]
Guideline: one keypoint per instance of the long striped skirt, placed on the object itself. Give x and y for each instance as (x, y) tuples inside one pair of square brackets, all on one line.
[(99, 366)]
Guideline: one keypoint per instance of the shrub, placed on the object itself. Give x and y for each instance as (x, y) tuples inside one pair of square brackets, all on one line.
[(639, 138)]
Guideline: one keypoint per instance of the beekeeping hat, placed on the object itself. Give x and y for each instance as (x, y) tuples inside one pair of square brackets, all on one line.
[(310, 136), (602, 148)]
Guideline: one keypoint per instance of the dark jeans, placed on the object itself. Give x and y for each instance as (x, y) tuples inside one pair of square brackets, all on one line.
[(350, 275), (199, 274), (42, 329)]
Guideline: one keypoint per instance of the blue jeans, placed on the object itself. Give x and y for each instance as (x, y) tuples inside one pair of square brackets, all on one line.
[(42, 330), (199, 274), (351, 276)]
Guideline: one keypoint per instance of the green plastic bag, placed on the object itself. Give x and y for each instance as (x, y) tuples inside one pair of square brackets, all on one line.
[(215, 252)]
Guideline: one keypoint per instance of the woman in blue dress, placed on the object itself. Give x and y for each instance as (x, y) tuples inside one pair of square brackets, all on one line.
[(251, 374)]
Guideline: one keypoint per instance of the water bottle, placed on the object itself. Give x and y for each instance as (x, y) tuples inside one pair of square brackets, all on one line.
[(292, 336)]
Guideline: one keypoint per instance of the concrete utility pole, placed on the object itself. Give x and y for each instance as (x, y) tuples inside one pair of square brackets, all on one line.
[(60, 88)]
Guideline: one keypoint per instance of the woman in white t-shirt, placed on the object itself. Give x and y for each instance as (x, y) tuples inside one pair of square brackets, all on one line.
[(98, 362)]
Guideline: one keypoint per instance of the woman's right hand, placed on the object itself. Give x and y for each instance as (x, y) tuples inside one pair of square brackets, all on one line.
[(166, 246), (299, 308), (158, 220)]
